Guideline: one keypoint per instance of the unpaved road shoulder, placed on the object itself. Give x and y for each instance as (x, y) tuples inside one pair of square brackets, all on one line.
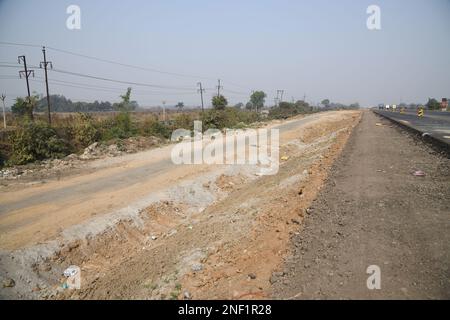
[(373, 211)]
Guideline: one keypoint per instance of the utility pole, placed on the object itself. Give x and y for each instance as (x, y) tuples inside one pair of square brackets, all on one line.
[(281, 92), (276, 101), (46, 63), (164, 111), (3, 97), (26, 72), (218, 88), (304, 97), (201, 90)]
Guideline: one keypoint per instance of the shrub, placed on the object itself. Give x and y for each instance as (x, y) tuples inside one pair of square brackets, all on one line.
[(36, 141), (120, 127), (83, 131), (152, 127), (228, 118), (184, 121)]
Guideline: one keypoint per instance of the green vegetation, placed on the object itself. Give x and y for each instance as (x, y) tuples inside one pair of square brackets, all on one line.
[(32, 139), (287, 109), (219, 102), (228, 118), (24, 107), (433, 104), (257, 99), (36, 141)]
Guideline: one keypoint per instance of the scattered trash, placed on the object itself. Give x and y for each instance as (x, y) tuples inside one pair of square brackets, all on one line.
[(284, 158), (70, 271), (379, 124), (187, 295), (154, 237), (419, 173), (197, 267)]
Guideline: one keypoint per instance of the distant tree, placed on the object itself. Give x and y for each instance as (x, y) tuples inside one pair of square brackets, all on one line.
[(239, 105), (219, 102), (25, 106), (303, 106), (433, 104), (124, 105), (258, 98), (326, 102), (19, 107), (249, 106), (180, 106)]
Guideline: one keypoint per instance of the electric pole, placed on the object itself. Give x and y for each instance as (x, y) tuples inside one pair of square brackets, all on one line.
[(46, 63), (164, 111), (218, 88), (281, 92), (276, 101), (201, 90), (3, 97), (26, 72)]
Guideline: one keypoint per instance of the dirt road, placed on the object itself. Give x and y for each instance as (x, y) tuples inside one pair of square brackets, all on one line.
[(140, 227), (39, 212), (373, 211)]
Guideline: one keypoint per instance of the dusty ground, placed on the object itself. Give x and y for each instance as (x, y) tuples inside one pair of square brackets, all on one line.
[(140, 227), (22, 176), (373, 211)]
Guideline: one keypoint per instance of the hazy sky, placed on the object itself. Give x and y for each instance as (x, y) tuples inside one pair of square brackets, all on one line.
[(319, 48)]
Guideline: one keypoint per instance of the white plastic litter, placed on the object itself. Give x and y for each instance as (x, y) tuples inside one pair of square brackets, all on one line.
[(71, 271)]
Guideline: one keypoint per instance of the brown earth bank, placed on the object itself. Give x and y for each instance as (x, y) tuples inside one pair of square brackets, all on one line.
[(204, 232), (373, 210)]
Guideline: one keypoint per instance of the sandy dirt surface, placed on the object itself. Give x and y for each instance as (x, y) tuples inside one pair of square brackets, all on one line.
[(141, 227), (374, 211)]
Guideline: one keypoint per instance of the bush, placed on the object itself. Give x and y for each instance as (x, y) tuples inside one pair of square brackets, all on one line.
[(184, 121), (36, 141), (120, 127), (83, 131), (152, 127), (228, 118)]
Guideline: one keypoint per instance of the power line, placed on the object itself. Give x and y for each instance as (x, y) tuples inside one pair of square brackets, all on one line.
[(119, 81), (128, 65), (79, 85), (20, 44), (120, 63)]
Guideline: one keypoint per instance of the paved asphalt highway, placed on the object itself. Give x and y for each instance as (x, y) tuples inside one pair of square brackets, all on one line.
[(435, 123)]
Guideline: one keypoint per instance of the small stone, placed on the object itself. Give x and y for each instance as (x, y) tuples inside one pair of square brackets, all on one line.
[(252, 276), (187, 295), (9, 283), (36, 288), (197, 267)]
